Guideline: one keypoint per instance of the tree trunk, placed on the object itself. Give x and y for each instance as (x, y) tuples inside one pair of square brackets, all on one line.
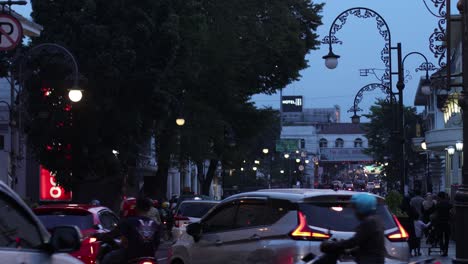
[(156, 186), (206, 183)]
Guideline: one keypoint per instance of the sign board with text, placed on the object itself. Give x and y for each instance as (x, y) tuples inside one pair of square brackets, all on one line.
[(292, 103), (287, 145), (343, 154), (48, 188)]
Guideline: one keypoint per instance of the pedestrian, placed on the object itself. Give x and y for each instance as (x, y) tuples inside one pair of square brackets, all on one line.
[(419, 227), (442, 216), (153, 212), (416, 202), (428, 207)]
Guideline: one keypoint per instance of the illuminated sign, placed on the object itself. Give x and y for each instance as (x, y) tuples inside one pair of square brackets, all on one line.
[(292, 103), (48, 188)]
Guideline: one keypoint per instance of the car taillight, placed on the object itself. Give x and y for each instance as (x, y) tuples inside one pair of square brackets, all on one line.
[(178, 219), (400, 235), (92, 239), (304, 232)]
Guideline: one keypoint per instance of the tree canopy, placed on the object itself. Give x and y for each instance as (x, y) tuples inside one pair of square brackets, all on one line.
[(384, 141), (146, 62)]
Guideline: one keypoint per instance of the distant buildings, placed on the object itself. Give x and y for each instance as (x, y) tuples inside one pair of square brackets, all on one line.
[(333, 149)]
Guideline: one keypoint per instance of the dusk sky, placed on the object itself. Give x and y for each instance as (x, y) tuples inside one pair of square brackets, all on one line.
[(410, 23)]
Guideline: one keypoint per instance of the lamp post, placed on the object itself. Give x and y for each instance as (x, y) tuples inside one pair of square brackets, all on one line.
[(266, 151), (287, 156), (331, 61), (461, 196)]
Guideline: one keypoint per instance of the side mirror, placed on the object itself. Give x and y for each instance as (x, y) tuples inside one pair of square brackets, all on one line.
[(195, 230), (65, 239), (97, 227)]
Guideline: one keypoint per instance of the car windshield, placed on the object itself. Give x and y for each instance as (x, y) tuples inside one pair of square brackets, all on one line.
[(340, 216), (82, 221), (195, 209)]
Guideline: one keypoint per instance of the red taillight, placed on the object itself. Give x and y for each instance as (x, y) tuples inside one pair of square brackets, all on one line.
[(178, 219), (400, 235), (304, 232)]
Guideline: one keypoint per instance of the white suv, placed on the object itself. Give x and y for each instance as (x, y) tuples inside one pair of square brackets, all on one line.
[(23, 238), (279, 226)]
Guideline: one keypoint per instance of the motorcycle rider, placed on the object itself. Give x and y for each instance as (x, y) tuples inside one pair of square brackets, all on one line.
[(369, 240), (139, 236)]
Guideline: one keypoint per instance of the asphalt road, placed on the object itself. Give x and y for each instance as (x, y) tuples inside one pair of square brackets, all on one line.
[(161, 255)]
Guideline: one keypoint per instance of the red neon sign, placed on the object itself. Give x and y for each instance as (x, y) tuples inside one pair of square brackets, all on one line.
[(48, 188)]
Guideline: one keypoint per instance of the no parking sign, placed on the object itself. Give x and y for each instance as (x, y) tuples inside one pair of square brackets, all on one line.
[(11, 32)]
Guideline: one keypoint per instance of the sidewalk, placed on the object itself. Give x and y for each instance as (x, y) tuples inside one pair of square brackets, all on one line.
[(443, 260)]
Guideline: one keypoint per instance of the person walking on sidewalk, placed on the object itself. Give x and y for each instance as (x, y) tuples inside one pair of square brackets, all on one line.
[(442, 217), (419, 227)]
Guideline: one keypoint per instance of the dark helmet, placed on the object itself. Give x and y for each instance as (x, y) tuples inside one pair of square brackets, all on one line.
[(364, 203)]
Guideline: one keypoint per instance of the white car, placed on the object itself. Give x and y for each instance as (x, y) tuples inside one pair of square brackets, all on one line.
[(24, 239), (370, 186), (190, 211), (279, 226)]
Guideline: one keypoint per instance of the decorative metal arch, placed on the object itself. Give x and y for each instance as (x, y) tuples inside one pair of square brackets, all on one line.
[(368, 88), (436, 39), (382, 26), (425, 66)]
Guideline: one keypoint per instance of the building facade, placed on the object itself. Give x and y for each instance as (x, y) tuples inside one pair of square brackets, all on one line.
[(443, 125), (332, 149), (16, 163)]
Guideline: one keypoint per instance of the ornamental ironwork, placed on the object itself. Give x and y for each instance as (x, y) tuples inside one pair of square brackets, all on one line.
[(382, 26), (367, 88), (438, 37)]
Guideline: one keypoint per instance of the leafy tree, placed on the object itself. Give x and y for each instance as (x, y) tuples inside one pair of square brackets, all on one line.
[(147, 61), (123, 63), (385, 142), (246, 47)]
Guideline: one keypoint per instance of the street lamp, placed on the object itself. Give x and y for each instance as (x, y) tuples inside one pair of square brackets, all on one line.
[(451, 150), (298, 160), (286, 156), (424, 145), (180, 121), (75, 95), (265, 151), (459, 146), (331, 61)]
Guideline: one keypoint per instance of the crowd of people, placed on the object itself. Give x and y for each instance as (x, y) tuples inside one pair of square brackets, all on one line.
[(431, 216)]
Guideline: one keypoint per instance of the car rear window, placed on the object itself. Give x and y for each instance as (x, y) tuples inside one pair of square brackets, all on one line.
[(194, 209), (340, 216), (82, 220)]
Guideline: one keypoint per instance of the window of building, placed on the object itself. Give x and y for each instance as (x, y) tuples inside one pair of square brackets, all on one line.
[(358, 143), (339, 143), (323, 143)]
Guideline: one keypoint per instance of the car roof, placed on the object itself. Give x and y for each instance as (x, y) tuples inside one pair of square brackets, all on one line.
[(294, 195), (199, 201), (94, 209)]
